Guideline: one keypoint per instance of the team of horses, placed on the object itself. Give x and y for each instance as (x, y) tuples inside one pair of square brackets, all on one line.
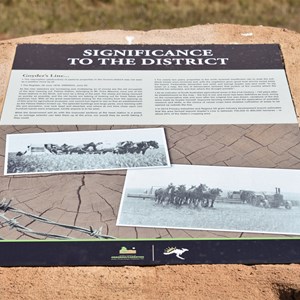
[(193, 196), (97, 148)]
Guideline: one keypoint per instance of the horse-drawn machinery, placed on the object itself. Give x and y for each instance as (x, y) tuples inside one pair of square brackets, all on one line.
[(178, 196), (260, 199)]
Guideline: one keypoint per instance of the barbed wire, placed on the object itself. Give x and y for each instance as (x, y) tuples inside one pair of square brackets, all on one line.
[(13, 223)]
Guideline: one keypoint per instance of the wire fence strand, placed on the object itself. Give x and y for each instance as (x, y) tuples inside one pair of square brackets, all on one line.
[(13, 223)]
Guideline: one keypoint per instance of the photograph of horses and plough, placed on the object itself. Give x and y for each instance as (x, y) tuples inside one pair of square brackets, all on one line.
[(212, 198), (85, 151)]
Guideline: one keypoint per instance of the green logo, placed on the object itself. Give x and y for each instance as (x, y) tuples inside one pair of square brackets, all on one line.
[(127, 254), (124, 250)]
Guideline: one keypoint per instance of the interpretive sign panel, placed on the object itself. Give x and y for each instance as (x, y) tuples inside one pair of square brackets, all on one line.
[(76, 116), (148, 84)]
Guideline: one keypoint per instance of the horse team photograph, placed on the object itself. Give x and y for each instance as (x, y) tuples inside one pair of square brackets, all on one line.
[(85, 151), (214, 198)]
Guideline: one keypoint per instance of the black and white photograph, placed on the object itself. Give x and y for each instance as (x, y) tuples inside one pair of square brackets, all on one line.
[(85, 151), (213, 198)]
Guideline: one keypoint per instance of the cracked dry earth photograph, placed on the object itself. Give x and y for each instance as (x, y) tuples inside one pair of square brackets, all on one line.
[(85, 205)]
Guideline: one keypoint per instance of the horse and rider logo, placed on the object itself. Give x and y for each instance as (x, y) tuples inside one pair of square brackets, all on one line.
[(176, 251)]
